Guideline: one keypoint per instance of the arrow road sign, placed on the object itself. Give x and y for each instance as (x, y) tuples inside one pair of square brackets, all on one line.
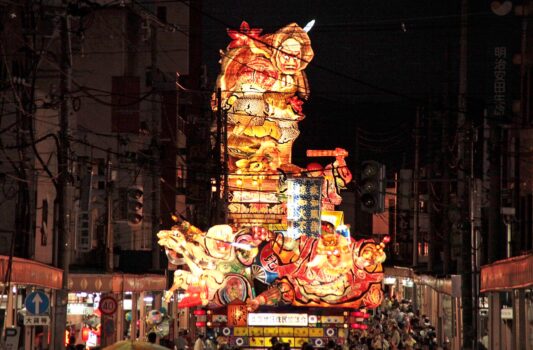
[(37, 303)]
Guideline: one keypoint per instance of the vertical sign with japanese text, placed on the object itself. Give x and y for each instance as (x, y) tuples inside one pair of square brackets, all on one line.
[(303, 207)]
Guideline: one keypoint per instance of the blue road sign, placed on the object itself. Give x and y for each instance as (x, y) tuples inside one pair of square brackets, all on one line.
[(37, 303)]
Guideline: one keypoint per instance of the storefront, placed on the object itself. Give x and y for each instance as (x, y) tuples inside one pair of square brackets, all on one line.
[(133, 305), (439, 299), (398, 283), (28, 276), (508, 286)]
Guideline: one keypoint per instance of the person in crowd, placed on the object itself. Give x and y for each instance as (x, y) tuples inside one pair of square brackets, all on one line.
[(210, 344), (394, 332), (199, 344), (152, 337), (278, 346), (396, 326), (273, 342), (408, 342), (71, 343), (380, 343), (181, 342)]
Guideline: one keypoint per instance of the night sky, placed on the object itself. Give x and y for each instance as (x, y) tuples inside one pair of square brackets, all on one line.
[(375, 61)]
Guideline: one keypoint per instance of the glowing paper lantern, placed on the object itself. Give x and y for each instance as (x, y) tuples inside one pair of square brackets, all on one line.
[(85, 333)]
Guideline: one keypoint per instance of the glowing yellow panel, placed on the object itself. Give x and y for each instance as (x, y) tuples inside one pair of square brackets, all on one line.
[(286, 331), (298, 342), (267, 341), (301, 332), (256, 332), (240, 331), (332, 319), (258, 342), (316, 332), (288, 340), (271, 331)]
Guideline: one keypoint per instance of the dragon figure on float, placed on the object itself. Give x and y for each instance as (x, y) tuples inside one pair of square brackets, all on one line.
[(311, 262)]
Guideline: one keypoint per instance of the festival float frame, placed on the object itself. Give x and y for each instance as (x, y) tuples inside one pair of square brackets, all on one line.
[(286, 263)]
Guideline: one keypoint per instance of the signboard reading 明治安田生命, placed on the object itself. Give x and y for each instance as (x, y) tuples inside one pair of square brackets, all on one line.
[(275, 319)]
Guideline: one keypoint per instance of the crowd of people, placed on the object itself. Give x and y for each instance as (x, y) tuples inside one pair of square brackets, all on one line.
[(396, 326)]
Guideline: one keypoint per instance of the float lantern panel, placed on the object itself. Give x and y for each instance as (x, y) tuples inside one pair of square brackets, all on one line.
[(261, 90), (303, 207), (237, 315)]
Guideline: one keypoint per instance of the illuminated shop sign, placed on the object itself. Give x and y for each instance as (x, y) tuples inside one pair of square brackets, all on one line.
[(79, 309), (271, 319)]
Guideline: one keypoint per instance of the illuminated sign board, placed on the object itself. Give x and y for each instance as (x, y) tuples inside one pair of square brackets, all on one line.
[(275, 319), (79, 309)]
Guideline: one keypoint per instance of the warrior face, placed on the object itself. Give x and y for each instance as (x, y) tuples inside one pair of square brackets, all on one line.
[(288, 56)]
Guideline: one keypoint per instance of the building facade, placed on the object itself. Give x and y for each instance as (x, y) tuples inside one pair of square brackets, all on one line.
[(117, 71)]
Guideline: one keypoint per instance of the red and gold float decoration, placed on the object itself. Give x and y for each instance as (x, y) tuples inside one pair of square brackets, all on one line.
[(280, 248)]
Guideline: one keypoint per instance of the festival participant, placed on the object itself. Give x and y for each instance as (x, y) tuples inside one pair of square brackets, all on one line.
[(181, 342), (336, 176), (199, 344), (380, 343), (152, 337), (408, 342)]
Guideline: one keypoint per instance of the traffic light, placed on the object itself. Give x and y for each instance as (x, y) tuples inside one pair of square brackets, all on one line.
[(372, 186), (135, 205)]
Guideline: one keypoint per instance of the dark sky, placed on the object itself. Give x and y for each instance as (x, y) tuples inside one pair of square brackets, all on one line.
[(374, 62)]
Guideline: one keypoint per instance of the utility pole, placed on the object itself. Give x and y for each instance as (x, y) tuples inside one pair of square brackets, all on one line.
[(429, 174), (63, 246), (444, 117), (416, 178), (464, 186), (494, 194), (109, 266), (156, 186)]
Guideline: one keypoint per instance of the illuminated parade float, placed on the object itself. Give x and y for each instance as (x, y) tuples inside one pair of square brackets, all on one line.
[(285, 265)]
